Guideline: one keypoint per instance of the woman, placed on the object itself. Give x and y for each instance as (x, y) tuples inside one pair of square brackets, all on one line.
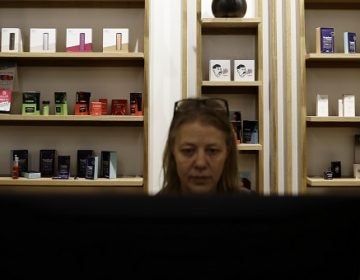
[(200, 155)]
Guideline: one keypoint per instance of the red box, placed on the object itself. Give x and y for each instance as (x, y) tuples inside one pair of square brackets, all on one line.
[(119, 107), (104, 105)]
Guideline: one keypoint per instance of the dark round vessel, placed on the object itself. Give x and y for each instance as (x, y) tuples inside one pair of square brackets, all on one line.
[(229, 8)]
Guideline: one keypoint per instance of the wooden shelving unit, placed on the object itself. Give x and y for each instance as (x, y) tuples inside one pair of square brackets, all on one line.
[(333, 74), (248, 31), (105, 75)]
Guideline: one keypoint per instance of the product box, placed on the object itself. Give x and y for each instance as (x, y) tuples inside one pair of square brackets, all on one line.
[(115, 39), (104, 106), (47, 163), (23, 156), (95, 108), (322, 105), (108, 164), (31, 103), (61, 107), (357, 148), (43, 40), (325, 40), (340, 108), (336, 169), (11, 40), (219, 70), (349, 42), (92, 167), (250, 132), (31, 175), (82, 106), (136, 104), (8, 76), (235, 119), (119, 107), (5, 100), (82, 156), (349, 105), (244, 70), (79, 40), (63, 167)]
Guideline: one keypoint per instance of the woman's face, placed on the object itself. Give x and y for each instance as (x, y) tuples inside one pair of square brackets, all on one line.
[(200, 152)]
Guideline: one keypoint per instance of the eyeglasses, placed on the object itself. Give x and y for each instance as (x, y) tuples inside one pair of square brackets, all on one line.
[(217, 104)]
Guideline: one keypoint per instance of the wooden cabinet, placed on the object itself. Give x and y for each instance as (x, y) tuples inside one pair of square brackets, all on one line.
[(235, 39), (105, 75), (327, 139)]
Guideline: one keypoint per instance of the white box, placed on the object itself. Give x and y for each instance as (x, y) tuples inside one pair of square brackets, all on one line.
[(115, 39), (11, 40), (219, 70), (349, 105), (322, 105), (79, 40), (42, 40), (244, 70), (340, 108)]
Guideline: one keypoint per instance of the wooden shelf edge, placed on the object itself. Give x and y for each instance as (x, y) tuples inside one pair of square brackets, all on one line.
[(230, 22), (70, 118), (73, 55), (336, 182), (249, 147), (119, 182), (231, 84)]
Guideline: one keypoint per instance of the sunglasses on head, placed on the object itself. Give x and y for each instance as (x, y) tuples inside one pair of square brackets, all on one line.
[(217, 104)]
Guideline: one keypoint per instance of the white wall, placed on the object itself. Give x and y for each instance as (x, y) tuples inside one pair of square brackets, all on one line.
[(165, 79)]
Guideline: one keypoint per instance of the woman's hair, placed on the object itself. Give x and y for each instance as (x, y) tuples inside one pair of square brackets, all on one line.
[(213, 112)]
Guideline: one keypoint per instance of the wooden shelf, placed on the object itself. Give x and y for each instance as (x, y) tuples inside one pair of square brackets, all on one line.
[(74, 120), (337, 182), (119, 182), (249, 147), (333, 60), (332, 4), (223, 26), (232, 87), (74, 59), (73, 4), (332, 121)]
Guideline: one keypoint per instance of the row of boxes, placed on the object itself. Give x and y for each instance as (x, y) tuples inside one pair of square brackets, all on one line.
[(244, 70), (77, 40)]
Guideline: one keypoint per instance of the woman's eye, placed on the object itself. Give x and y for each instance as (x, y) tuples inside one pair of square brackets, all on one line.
[(213, 151), (187, 152)]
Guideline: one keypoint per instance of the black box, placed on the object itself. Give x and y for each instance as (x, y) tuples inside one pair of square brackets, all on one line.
[(47, 163), (92, 167), (63, 167), (250, 132), (82, 156), (336, 169)]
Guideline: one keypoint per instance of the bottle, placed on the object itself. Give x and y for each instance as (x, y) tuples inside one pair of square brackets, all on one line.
[(46, 108), (15, 170)]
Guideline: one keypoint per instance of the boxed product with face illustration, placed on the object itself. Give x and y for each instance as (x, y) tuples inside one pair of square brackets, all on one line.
[(219, 70), (244, 70)]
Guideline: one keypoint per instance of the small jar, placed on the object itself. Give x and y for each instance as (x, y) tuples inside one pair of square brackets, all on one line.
[(45, 108)]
